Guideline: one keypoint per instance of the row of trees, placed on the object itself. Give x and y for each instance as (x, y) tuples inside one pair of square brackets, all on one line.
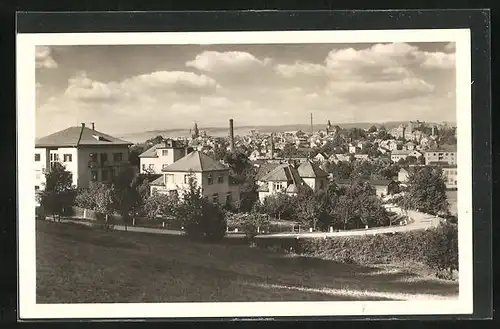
[(340, 207), (377, 169)]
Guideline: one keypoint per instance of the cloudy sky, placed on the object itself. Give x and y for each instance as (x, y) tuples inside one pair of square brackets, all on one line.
[(135, 88)]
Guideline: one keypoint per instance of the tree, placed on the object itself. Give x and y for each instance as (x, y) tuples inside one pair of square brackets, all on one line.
[(289, 151), (309, 206), (133, 155), (279, 205), (427, 190), (159, 205), (128, 196), (250, 223), (442, 250), (411, 160), (372, 129), (155, 140), (58, 192), (201, 218)]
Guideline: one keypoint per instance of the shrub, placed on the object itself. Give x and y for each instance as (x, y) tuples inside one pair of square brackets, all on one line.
[(436, 248), (249, 223)]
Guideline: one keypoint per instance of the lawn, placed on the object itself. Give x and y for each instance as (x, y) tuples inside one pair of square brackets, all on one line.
[(78, 264)]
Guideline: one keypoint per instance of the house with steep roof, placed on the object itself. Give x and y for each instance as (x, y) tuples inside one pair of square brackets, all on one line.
[(210, 175), (283, 178), (315, 177), (154, 159), (89, 155)]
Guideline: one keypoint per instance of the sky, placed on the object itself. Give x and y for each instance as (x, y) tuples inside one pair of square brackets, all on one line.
[(137, 88)]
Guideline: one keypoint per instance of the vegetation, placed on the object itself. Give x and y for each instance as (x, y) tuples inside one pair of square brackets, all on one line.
[(58, 192), (436, 248), (249, 223), (427, 191), (202, 219)]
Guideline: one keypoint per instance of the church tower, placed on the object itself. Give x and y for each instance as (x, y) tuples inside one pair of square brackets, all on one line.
[(196, 132)]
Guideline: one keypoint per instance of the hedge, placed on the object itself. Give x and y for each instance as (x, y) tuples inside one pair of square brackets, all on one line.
[(437, 248)]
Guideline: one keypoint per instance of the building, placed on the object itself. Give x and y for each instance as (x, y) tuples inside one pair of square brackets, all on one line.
[(382, 187), (210, 175), (315, 177), (283, 178), (89, 155), (154, 159), (397, 155), (403, 175), (443, 155), (321, 157), (450, 176)]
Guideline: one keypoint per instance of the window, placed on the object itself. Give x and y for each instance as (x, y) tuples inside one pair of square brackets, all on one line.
[(104, 158), (93, 157), (151, 167), (105, 175), (278, 186), (94, 175), (37, 187), (210, 179), (117, 157), (186, 179), (220, 179), (143, 167), (37, 156), (54, 157), (164, 152), (68, 157), (229, 197), (215, 197)]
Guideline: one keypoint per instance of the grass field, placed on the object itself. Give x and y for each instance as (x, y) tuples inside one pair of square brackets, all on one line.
[(78, 264)]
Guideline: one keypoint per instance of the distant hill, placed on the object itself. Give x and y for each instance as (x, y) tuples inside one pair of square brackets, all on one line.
[(139, 137)]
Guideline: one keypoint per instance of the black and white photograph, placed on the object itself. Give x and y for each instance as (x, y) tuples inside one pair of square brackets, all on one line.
[(243, 174)]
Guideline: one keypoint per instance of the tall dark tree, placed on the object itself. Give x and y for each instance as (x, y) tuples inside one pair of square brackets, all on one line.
[(372, 129), (427, 190), (127, 195), (58, 191)]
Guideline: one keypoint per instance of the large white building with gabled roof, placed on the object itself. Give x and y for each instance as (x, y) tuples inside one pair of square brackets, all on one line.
[(88, 154), (211, 175)]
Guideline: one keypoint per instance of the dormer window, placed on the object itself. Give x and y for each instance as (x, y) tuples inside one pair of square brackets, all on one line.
[(100, 138)]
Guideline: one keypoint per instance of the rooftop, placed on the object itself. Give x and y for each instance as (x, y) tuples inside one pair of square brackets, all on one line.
[(78, 136), (197, 162), (283, 173), (311, 170)]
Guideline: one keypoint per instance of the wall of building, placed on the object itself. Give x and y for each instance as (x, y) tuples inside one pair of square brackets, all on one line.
[(450, 176), (85, 173), (441, 156), (45, 159)]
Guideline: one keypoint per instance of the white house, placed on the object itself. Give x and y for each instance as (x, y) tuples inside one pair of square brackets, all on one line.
[(89, 155), (397, 155), (321, 157), (282, 178), (315, 177), (154, 159), (209, 174)]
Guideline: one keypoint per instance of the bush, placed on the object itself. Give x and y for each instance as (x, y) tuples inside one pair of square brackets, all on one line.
[(249, 223), (436, 248), (206, 222)]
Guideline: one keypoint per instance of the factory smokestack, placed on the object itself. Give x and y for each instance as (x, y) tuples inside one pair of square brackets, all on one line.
[(272, 147), (312, 129), (231, 135)]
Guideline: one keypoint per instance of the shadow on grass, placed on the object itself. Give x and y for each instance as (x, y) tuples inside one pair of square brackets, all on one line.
[(79, 264)]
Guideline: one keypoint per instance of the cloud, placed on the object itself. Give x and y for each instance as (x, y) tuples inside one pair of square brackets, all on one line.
[(380, 91), (438, 60), (387, 55), (451, 47), (215, 102), (82, 88), (172, 80), (145, 86), (301, 68), (43, 58), (233, 61)]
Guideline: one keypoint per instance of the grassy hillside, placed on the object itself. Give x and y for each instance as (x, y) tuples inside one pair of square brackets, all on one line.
[(77, 264)]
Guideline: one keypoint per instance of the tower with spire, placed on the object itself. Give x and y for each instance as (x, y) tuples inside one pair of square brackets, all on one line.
[(196, 132)]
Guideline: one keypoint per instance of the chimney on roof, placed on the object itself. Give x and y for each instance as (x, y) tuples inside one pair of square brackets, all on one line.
[(93, 126), (231, 135)]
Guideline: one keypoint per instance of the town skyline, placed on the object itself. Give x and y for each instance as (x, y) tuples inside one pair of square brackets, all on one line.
[(127, 89)]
